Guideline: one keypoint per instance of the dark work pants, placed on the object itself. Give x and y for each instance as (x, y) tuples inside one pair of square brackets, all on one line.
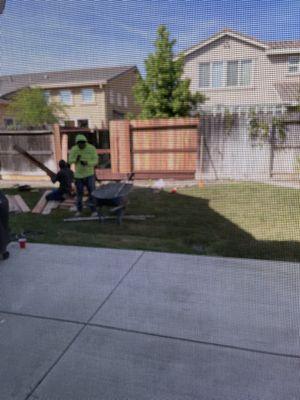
[(89, 183), (4, 229), (56, 195)]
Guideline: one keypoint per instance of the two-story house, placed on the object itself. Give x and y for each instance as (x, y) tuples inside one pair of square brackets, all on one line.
[(237, 72), (92, 96)]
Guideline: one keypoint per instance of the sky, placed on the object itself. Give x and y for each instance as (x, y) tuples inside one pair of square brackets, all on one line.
[(46, 35)]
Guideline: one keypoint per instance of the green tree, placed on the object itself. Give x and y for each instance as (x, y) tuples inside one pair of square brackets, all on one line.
[(30, 109), (163, 92)]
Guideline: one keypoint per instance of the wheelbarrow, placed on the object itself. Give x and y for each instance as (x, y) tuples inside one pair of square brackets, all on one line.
[(113, 195)]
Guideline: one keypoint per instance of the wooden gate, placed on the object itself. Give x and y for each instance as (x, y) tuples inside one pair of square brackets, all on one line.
[(160, 148)]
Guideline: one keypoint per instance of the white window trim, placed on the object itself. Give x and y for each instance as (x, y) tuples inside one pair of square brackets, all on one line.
[(289, 65), (93, 101), (224, 77), (125, 101)]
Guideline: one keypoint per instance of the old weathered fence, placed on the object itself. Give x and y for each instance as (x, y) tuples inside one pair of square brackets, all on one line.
[(42, 144), (158, 148), (229, 152)]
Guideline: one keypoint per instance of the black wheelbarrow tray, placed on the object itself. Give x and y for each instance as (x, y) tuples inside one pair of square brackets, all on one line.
[(114, 196)]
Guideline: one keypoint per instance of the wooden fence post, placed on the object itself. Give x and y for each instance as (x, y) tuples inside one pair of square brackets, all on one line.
[(57, 143), (64, 146), (120, 151)]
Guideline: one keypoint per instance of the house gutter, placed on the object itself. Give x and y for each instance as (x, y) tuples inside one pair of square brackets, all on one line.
[(69, 84), (287, 50)]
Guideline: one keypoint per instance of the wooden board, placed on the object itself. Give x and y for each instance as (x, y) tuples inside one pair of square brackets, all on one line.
[(50, 205), (21, 203), (41, 203), (13, 206)]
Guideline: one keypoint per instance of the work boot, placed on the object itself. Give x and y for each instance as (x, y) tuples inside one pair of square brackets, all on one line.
[(77, 214), (94, 214)]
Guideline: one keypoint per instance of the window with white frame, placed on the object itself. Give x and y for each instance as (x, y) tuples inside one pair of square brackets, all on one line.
[(225, 74), (66, 97), (204, 75), (88, 96), (217, 73), (47, 96), (294, 64), (125, 101), (111, 97), (119, 99)]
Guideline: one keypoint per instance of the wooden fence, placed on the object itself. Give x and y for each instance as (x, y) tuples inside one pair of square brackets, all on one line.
[(159, 148), (43, 144), (231, 153)]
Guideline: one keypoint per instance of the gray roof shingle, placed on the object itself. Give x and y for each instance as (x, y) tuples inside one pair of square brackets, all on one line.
[(11, 83), (283, 44)]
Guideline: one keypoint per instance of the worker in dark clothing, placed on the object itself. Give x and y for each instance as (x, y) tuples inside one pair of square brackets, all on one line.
[(4, 230), (65, 178)]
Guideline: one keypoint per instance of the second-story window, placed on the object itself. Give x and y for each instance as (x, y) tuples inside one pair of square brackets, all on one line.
[(294, 64), (47, 96), (125, 101), (204, 75), (111, 97), (225, 74), (88, 96), (66, 97), (217, 74), (119, 99)]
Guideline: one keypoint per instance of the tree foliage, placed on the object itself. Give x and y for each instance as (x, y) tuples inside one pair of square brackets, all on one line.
[(163, 92), (30, 109)]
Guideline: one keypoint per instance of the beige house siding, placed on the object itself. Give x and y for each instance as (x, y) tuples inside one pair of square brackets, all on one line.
[(95, 112), (100, 111), (121, 86), (266, 70)]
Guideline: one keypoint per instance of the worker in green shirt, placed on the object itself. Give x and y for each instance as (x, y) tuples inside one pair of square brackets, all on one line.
[(84, 156)]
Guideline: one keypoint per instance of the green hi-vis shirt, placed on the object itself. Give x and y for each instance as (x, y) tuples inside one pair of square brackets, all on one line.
[(88, 154)]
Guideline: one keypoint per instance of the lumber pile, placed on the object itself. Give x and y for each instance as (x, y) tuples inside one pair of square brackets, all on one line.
[(17, 204), (68, 204), (41, 204), (45, 207)]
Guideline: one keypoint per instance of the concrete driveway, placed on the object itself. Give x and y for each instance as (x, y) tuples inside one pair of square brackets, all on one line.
[(89, 324)]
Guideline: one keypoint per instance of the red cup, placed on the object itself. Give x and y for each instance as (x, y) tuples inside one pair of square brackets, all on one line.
[(22, 243)]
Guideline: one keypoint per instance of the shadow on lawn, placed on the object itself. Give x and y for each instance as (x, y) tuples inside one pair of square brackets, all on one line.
[(205, 231), (183, 223)]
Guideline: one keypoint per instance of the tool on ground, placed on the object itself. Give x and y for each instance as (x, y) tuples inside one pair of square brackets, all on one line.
[(115, 196), (128, 217), (34, 161)]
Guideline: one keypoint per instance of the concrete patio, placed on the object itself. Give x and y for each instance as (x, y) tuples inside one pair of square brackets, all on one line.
[(86, 324)]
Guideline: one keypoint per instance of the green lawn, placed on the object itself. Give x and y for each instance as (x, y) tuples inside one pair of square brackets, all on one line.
[(238, 220)]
